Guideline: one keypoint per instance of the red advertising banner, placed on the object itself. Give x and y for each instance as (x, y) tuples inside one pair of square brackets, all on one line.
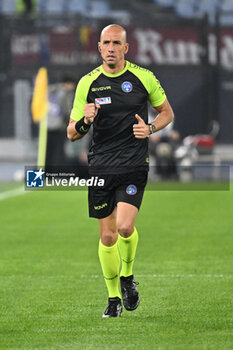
[(25, 48), (162, 46)]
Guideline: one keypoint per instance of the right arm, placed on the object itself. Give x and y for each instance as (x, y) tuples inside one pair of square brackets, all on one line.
[(72, 134), (90, 112)]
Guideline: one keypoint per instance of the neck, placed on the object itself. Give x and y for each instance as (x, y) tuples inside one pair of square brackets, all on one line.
[(114, 69)]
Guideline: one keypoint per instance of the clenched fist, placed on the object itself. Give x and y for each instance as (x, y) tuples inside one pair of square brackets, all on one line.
[(90, 112), (140, 130)]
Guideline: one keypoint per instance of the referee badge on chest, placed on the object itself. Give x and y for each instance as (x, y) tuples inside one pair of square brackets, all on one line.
[(127, 86)]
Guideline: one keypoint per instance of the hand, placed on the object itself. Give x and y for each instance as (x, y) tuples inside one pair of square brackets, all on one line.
[(90, 112), (140, 130)]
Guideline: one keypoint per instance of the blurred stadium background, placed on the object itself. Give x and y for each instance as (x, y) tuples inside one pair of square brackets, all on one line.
[(188, 45)]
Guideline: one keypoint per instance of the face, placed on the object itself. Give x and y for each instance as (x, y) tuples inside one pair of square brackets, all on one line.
[(113, 46)]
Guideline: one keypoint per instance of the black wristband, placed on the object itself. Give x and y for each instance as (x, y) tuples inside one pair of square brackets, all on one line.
[(81, 127)]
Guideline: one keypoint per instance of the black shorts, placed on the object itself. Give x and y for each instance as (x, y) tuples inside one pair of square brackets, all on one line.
[(128, 188)]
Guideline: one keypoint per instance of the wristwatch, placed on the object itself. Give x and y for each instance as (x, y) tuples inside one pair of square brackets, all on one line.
[(152, 128)]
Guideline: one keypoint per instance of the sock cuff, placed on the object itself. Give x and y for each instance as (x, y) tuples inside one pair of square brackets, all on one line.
[(128, 239), (106, 248)]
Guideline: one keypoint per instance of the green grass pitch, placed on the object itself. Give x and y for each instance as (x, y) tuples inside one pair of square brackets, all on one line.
[(52, 294)]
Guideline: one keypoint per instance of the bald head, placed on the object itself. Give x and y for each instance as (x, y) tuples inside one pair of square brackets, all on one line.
[(116, 29)]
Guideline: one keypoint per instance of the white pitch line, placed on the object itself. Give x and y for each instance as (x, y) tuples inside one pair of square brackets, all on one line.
[(12, 193), (170, 276)]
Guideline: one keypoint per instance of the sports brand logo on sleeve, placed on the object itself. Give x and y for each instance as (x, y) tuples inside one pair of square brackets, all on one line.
[(127, 86), (35, 178), (103, 101)]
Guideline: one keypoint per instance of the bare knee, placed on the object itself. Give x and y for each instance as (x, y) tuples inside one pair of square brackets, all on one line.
[(108, 231), (125, 229), (108, 237)]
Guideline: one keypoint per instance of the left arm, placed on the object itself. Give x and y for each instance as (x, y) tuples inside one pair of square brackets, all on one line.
[(165, 116)]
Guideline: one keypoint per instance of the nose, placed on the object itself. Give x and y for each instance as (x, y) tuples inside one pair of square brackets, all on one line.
[(110, 47)]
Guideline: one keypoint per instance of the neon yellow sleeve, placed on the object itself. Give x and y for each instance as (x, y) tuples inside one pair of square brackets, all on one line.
[(157, 95), (80, 100), (81, 93)]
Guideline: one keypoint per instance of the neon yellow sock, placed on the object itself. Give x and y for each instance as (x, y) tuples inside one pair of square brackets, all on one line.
[(127, 248), (110, 263)]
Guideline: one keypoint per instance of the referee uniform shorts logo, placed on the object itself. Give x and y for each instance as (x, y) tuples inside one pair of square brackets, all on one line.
[(131, 190), (127, 86)]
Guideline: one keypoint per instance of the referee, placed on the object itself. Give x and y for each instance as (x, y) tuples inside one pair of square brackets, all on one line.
[(113, 97)]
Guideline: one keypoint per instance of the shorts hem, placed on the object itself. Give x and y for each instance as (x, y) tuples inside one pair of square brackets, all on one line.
[(125, 201), (103, 216)]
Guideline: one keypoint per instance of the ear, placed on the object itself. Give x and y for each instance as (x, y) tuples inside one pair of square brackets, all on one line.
[(126, 48), (99, 48)]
